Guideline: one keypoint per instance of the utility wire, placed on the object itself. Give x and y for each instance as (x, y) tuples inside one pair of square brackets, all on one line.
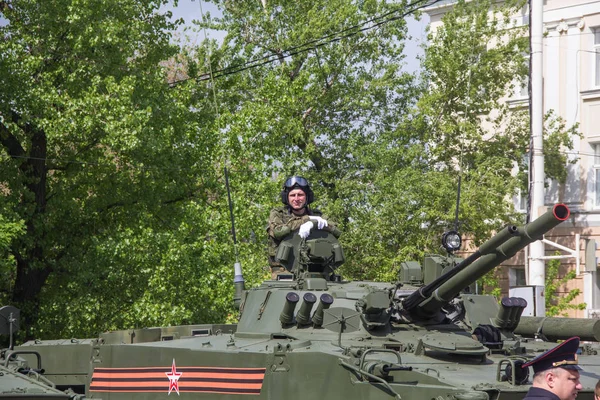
[(312, 45), (131, 166)]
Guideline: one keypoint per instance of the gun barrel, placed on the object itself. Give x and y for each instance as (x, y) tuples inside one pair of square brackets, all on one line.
[(554, 328), (526, 234), (422, 294)]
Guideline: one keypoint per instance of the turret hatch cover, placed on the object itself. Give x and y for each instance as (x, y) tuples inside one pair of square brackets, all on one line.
[(453, 344), (340, 319)]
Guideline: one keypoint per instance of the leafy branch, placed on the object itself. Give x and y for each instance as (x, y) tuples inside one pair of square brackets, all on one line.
[(558, 304)]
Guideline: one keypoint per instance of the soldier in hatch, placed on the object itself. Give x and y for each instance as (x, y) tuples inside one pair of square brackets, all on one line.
[(294, 215)]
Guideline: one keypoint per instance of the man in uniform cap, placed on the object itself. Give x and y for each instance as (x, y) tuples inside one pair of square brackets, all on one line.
[(556, 373)]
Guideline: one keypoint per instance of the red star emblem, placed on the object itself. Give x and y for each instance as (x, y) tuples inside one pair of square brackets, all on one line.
[(173, 378)]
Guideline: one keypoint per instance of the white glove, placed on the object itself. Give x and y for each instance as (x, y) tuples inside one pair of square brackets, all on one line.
[(305, 229), (321, 223)]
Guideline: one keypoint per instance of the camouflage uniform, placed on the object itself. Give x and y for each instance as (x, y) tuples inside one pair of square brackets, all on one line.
[(281, 222)]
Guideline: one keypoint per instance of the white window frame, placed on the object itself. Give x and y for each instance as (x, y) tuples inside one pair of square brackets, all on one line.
[(522, 88), (522, 18), (596, 168), (520, 201), (596, 48)]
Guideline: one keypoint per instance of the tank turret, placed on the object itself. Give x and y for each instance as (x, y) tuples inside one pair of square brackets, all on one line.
[(317, 257)]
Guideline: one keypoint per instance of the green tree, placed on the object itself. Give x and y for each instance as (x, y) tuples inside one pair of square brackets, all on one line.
[(452, 134), (328, 82), (9, 231), (104, 163), (383, 151), (555, 303), (473, 64)]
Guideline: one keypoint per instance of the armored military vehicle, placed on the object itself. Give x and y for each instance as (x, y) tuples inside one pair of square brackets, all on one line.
[(20, 379), (312, 335)]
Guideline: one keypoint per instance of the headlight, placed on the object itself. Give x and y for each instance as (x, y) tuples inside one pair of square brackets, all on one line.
[(451, 241)]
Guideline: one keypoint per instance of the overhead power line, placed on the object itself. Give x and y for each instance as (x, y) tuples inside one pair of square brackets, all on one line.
[(131, 166), (313, 44)]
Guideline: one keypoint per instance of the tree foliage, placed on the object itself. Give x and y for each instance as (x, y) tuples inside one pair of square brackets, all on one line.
[(333, 86), (103, 163), (449, 137), (557, 304)]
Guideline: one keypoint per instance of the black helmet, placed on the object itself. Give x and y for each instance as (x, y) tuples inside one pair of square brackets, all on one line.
[(299, 183)]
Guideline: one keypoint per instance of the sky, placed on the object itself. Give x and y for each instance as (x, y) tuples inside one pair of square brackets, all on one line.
[(193, 9)]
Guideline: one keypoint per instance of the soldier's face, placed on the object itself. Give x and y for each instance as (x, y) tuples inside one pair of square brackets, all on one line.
[(297, 199), (567, 384)]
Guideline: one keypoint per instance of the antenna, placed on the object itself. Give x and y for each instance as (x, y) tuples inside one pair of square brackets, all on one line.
[(238, 278), (9, 322), (460, 163), (457, 204)]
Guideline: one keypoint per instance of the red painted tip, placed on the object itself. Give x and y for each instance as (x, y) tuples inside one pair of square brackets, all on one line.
[(561, 211)]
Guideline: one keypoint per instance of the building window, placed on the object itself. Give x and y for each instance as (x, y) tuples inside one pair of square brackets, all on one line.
[(516, 277), (596, 147), (522, 194), (522, 201), (521, 88), (597, 51), (521, 19)]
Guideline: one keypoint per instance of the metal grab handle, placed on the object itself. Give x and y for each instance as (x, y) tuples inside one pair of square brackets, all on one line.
[(10, 355), (376, 378), (432, 369), (362, 357)]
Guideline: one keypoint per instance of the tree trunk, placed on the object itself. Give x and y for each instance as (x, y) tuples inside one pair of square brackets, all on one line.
[(32, 268)]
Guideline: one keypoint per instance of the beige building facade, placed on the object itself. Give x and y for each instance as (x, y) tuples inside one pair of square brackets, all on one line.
[(571, 79)]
